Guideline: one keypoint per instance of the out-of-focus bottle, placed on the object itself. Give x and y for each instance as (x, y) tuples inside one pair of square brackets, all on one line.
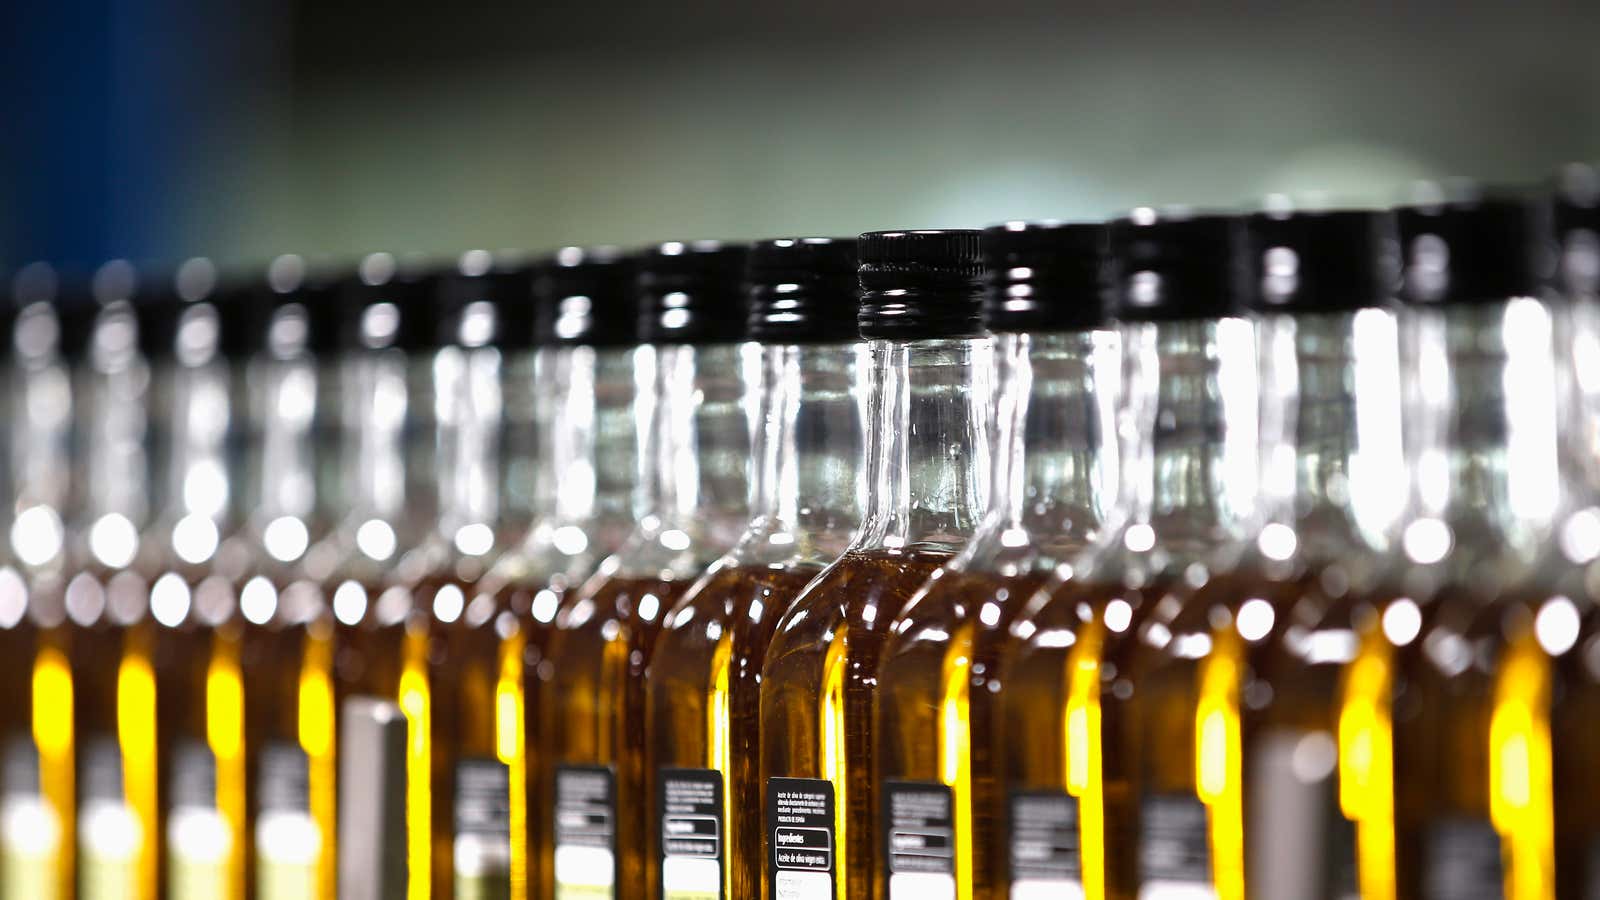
[(195, 559), (286, 645), (106, 596), (938, 727), (1565, 596), (476, 730), (1465, 680), (576, 391), (37, 738), (694, 452), (1238, 699), (381, 634), (1185, 421), (703, 683), (929, 418)]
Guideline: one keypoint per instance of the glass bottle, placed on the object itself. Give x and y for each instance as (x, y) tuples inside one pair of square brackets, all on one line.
[(937, 723), (196, 560), (476, 751), (577, 475), (928, 414), (1247, 674), (1564, 600), (381, 634), (703, 683), (1185, 421), (106, 597), (286, 645), (1466, 684), (694, 449), (37, 739)]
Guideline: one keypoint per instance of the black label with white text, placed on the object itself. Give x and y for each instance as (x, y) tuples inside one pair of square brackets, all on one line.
[(918, 840), (585, 833), (1044, 844), (1174, 846), (690, 801), (1462, 862), (482, 846), (800, 828)]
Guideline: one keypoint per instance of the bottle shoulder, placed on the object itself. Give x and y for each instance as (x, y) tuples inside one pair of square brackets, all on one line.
[(857, 596)]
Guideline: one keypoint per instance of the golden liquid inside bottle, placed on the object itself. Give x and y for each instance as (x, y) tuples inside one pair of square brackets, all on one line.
[(938, 721), (1049, 745), (477, 754), (383, 655), (115, 724), (1443, 702), (40, 719), (816, 697), (594, 717), (704, 697), (1227, 715), (1299, 712), (1475, 754), (1575, 743), (290, 743), (1097, 765), (199, 728)]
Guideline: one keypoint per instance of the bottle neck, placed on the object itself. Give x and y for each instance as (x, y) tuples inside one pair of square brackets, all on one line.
[(1581, 395), (1331, 456), (284, 401), (929, 418), (1482, 422), (590, 440), (807, 486), (389, 447), (1054, 464), (40, 423), (113, 435), (197, 489), (1188, 420), (695, 417), (524, 384), (467, 409)]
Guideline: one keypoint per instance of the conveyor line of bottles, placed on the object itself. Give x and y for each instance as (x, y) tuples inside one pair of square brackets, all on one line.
[(1187, 555)]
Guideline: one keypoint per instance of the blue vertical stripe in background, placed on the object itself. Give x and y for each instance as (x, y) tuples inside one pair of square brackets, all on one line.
[(100, 105)]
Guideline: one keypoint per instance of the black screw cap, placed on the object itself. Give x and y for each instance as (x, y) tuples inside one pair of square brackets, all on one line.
[(1319, 261), (388, 303), (1174, 265), (32, 324), (1044, 276), (585, 295), (920, 284), (1578, 229), (692, 293), (1477, 248), (486, 300), (803, 290)]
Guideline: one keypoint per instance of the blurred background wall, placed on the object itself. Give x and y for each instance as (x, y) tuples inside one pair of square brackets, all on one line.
[(156, 128)]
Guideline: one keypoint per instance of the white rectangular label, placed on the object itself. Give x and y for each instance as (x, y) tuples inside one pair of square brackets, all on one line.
[(584, 868), (793, 885), (922, 886), (686, 876), (1175, 890), (1046, 889)]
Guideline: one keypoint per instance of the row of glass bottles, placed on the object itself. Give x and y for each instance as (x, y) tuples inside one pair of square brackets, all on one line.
[(435, 595)]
